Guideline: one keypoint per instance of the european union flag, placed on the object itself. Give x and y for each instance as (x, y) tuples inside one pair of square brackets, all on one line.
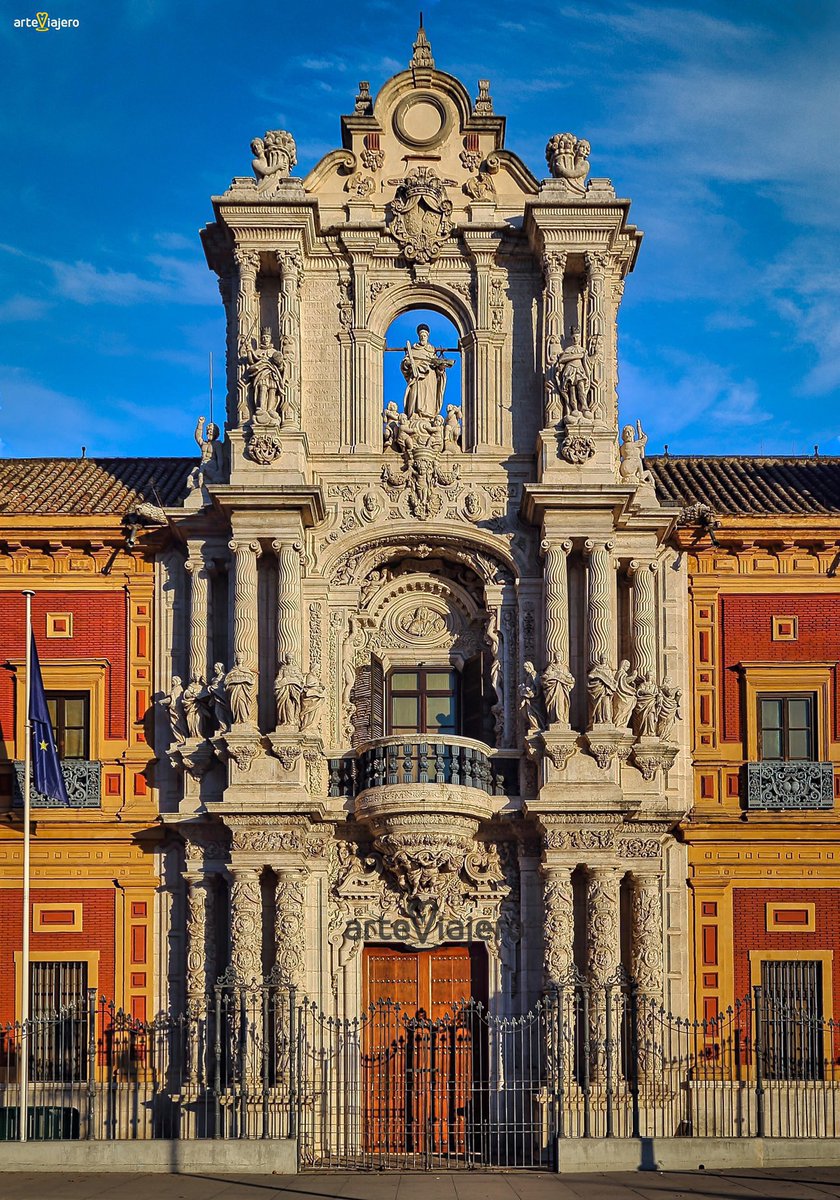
[(47, 776)]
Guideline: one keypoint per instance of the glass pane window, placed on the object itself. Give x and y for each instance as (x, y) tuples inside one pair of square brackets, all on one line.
[(786, 727), (70, 717), (423, 701)]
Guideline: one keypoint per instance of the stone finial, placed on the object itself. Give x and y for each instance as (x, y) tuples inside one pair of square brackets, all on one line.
[(483, 106), (422, 56), (568, 160), (364, 101)]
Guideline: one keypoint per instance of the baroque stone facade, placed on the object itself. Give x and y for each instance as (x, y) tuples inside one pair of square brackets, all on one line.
[(340, 535)]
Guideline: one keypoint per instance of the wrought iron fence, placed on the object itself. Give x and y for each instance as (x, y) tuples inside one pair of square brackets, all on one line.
[(460, 1087)]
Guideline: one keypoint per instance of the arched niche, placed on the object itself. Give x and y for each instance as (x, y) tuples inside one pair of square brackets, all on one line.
[(403, 304)]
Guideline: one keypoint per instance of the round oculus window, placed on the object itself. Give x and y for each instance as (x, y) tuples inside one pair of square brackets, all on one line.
[(421, 120)]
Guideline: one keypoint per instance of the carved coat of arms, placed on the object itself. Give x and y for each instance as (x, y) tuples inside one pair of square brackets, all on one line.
[(420, 213)]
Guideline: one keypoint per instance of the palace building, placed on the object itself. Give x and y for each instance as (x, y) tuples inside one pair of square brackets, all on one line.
[(420, 684)]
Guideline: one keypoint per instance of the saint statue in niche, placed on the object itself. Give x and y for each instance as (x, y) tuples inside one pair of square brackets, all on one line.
[(425, 370)]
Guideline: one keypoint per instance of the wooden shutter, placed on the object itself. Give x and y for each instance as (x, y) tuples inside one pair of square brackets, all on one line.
[(472, 699), (377, 699)]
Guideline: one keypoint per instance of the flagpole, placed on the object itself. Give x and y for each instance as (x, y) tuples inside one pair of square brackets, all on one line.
[(27, 783)]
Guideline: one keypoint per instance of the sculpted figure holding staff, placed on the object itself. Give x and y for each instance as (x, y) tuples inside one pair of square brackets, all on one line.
[(425, 375)]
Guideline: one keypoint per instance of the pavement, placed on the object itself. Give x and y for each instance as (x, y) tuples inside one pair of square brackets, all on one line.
[(799, 1184)]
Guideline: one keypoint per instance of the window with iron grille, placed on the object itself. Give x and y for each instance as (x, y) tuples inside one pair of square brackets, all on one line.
[(792, 1019), (70, 717), (58, 1002), (786, 727)]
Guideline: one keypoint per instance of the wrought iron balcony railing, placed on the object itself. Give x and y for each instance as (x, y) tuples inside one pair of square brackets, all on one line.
[(790, 785), (82, 778), (418, 759)]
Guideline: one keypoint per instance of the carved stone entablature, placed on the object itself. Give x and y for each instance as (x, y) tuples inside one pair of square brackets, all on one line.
[(606, 742), (259, 834), (639, 847), (207, 842), (650, 755), (421, 210), (558, 838)]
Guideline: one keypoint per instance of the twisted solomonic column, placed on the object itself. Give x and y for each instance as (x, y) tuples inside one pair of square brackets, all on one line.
[(644, 622), (199, 576), (289, 636)]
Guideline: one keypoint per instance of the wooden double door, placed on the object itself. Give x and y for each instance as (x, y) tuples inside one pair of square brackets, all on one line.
[(423, 1050)]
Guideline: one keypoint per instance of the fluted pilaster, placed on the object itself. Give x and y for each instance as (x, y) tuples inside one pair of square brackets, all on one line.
[(291, 273), (247, 317), (554, 269), (596, 328), (558, 923)]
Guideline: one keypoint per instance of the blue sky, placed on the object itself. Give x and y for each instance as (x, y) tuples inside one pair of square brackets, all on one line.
[(719, 121)]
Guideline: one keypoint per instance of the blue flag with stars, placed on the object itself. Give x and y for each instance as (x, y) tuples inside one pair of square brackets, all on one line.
[(47, 776)]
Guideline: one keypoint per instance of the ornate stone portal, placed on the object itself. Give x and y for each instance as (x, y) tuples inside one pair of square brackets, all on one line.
[(496, 547)]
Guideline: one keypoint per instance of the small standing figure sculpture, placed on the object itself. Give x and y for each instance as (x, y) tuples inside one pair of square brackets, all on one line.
[(194, 710), (631, 453), (557, 684), (668, 708), (218, 698), (266, 371), (601, 687), (241, 684), (288, 693), (174, 704), (647, 703), (573, 377), (531, 701), (209, 469), (312, 697), (424, 370), (624, 700)]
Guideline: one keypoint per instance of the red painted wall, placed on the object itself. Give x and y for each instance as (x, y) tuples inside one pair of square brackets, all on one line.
[(746, 635), (750, 929), (98, 920), (99, 621)]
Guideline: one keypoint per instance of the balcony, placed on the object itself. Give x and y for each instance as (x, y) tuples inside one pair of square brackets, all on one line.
[(415, 759), (782, 786), (82, 778)]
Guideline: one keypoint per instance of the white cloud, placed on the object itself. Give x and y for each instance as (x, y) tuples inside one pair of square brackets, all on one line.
[(22, 308)]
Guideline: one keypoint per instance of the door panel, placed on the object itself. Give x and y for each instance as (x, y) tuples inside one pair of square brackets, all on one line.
[(420, 1058)]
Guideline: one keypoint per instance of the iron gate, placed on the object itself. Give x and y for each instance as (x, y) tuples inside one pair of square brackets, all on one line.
[(397, 1088)]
